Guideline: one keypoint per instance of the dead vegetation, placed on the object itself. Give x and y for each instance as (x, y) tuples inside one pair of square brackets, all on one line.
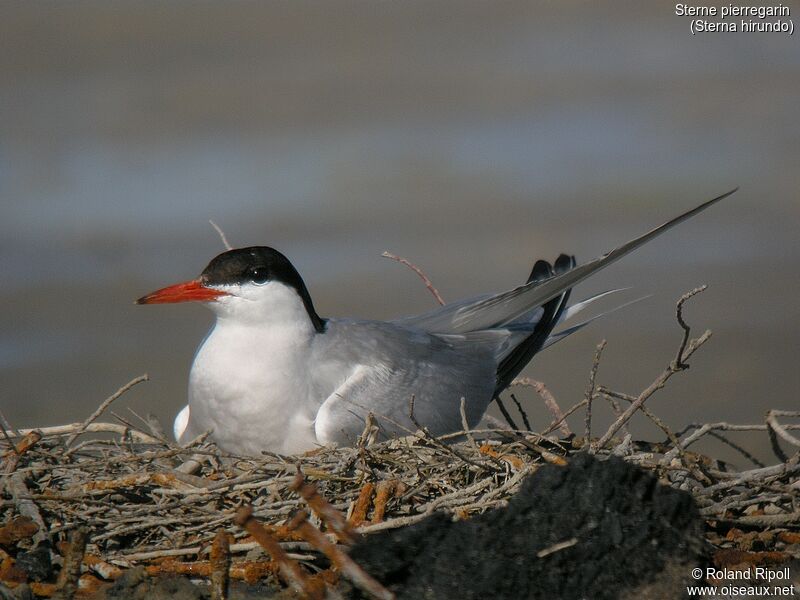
[(132, 497)]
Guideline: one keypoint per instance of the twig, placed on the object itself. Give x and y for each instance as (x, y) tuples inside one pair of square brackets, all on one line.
[(220, 559), (104, 405), (221, 235), (590, 393), (780, 470), (686, 350), (67, 582), (383, 492), (335, 521), (779, 429), (432, 439), (6, 428), (522, 413), (59, 430), (557, 423), (15, 484), (611, 394), (557, 547), (154, 425), (361, 506), (348, 567), (27, 442), (370, 432), (506, 414), (290, 571), (617, 409), (679, 357), (465, 423), (549, 401), (418, 271), (763, 520)]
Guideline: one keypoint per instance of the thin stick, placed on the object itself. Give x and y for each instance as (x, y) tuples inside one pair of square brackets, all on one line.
[(18, 490), (346, 565), (290, 571), (651, 389), (465, 424), (20, 448), (548, 399), (679, 358), (687, 348), (611, 394), (333, 519), (104, 405), (774, 425), (57, 430), (557, 547), (432, 439), (506, 414), (221, 235), (6, 428), (220, 559), (590, 393), (71, 571), (428, 284), (522, 412), (557, 423)]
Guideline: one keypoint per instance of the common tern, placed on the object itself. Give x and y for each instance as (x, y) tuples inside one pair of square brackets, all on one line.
[(273, 375)]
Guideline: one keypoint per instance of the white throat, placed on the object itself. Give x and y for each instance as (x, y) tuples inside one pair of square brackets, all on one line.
[(249, 381)]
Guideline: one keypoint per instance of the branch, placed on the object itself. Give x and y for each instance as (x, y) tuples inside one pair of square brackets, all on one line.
[(418, 271), (679, 358), (104, 405), (687, 348), (590, 393)]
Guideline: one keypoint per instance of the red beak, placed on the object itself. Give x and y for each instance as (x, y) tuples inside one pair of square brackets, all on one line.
[(189, 291)]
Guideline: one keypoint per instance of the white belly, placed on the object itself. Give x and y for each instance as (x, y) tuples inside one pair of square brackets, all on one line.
[(251, 389)]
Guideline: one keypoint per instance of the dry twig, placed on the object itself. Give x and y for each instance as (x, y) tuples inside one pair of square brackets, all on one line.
[(590, 393), (103, 406), (428, 284), (687, 348)]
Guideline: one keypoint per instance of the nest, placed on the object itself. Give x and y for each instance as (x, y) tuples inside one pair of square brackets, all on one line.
[(135, 498)]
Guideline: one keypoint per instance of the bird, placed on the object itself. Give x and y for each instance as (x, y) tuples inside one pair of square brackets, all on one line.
[(272, 375)]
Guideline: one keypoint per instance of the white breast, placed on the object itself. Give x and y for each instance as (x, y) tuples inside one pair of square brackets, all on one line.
[(180, 424), (249, 382)]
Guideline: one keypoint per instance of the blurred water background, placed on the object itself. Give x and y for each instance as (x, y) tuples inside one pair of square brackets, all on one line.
[(470, 137)]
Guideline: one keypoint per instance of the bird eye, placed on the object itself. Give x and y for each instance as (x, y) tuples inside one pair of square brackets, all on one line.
[(258, 275)]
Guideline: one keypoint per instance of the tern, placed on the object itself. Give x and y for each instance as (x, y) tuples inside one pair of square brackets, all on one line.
[(273, 375)]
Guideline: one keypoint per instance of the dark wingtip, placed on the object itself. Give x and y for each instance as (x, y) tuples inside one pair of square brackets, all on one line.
[(726, 194), (564, 263), (541, 270)]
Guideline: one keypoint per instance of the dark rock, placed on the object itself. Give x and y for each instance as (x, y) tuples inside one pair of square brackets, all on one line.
[(21, 592), (632, 533), (24, 592), (36, 563), (134, 584)]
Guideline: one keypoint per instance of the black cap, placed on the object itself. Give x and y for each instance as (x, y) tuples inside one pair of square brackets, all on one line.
[(259, 264)]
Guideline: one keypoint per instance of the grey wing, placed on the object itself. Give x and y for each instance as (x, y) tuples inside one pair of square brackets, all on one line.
[(501, 309), (387, 365)]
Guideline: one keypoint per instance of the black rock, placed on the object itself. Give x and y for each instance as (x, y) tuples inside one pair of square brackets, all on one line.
[(631, 535), (36, 563)]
